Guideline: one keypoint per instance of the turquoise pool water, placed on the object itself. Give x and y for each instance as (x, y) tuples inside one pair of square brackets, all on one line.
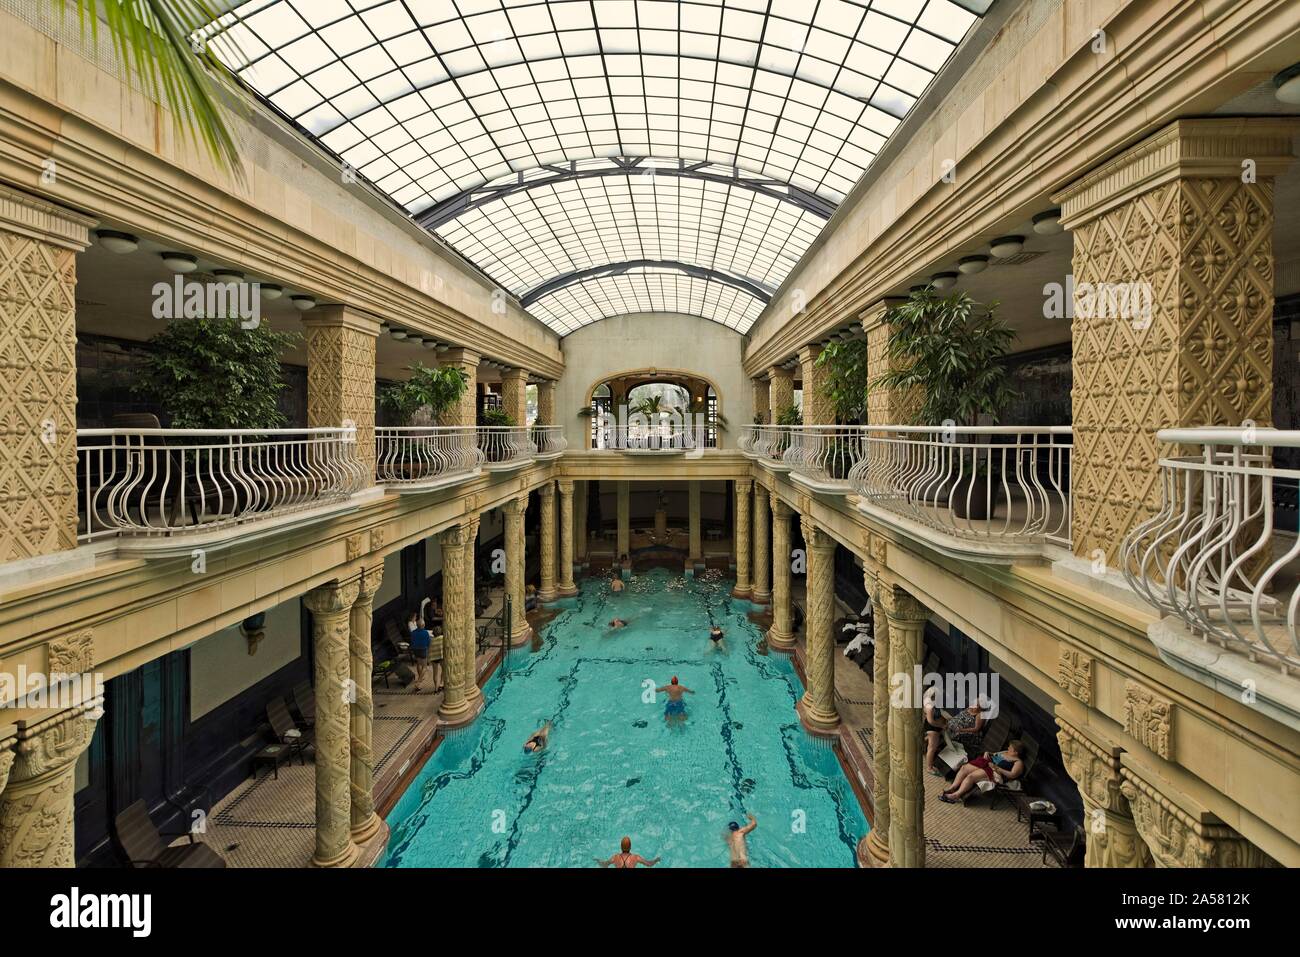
[(613, 767)]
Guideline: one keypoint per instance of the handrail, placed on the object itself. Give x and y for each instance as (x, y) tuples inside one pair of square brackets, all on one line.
[(549, 440), (418, 455), (505, 446)]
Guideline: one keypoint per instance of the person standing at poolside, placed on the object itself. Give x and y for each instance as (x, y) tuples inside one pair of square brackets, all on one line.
[(420, 642), (676, 707), (736, 841), (625, 859)]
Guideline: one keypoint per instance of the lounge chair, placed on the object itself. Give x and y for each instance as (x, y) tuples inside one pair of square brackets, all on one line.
[(1014, 792), (285, 731), (1066, 846), (997, 733), (142, 846), (397, 638), (304, 698)]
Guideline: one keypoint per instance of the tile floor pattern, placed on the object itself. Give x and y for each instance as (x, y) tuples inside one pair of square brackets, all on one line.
[(973, 835)]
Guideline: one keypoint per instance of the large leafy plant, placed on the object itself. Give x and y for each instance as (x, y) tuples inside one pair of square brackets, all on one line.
[(215, 374), (790, 415), (494, 418), (436, 390), (846, 378), (950, 349)]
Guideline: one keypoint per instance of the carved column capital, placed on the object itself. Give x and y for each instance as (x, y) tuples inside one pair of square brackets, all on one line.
[(1095, 771), (547, 490), (372, 577), (333, 599), (516, 506), (565, 485), (743, 489), (901, 606), (814, 536), (779, 508)]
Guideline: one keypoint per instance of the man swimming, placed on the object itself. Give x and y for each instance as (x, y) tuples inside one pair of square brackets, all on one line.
[(625, 859), (676, 707), (617, 623), (716, 635), (616, 585), (736, 842), (539, 739)]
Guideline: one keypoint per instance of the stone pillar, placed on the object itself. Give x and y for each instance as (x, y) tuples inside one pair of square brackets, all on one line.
[(546, 403), (546, 590), (624, 519), (780, 390), (762, 570), (331, 607), (514, 396), (1112, 837), (464, 413), (817, 708), (1173, 306), (905, 618), (455, 710), (886, 406), (37, 811), (565, 585), (582, 491), (695, 550), (877, 843), (365, 823), (341, 375), (762, 398), (818, 409), (743, 587), (515, 509), (38, 390), (473, 694), (780, 637)]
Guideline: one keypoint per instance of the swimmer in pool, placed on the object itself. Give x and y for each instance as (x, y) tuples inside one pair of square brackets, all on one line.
[(716, 637), (625, 859), (539, 739), (676, 707), (736, 841), (617, 623), (616, 585)]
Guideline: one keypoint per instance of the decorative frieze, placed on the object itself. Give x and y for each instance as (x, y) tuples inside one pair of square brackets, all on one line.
[(1074, 673), (72, 653), (1149, 718)]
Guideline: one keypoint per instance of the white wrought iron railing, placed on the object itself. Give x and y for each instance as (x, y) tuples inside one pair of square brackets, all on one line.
[(768, 443), (1008, 484), (651, 438), (1215, 554), (166, 482), (549, 441), (419, 455), (505, 446), (824, 455)]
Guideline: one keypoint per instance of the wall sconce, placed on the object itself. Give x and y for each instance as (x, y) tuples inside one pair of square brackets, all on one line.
[(253, 628)]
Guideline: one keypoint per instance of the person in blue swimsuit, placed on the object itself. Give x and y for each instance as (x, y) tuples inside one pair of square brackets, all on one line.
[(675, 709)]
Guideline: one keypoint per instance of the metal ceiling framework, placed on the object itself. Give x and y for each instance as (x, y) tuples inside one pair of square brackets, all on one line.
[(592, 155)]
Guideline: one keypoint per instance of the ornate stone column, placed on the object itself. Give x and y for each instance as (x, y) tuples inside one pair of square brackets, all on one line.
[(1112, 837), (1173, 306), (365, 823), (465, 412), (762, 570), (514, 395), (743, 587), (36, 806), (565, 585), (515, 509), (695, 551), (886, 406), (546, 403), (818, 409), (581, 492), (39, 243), (877, 842), (341, 374), (780, 390), (624, 519), (762, 396), (780, 636), (546, 590), (455, 708), (473, 694), (817, 709), (331, 607), (905, 618)]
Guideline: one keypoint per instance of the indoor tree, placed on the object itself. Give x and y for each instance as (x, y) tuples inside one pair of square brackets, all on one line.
[(846, 379), (434, 390)]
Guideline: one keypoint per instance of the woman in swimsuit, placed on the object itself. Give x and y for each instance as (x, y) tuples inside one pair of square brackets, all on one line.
[(999, 768), (715, 636), (538, 741), (625, 859), (932, 724)]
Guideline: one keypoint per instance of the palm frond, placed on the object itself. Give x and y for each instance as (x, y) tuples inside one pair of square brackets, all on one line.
[(159, 42)]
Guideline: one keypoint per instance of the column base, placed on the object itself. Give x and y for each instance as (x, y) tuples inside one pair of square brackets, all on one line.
[(546, 594), (472, 709), (816, 724), (566, 590), (739, 592), (780, 641), (873, 851), (361, 833), (761, 597), (523, 637), (346, 858)]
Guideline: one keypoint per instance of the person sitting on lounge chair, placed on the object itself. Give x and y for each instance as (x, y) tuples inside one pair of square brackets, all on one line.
[(992, 769)]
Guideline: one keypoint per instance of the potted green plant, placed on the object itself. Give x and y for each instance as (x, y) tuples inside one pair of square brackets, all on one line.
[(950, 350), (845, 383), (426, 394), (494, 449)]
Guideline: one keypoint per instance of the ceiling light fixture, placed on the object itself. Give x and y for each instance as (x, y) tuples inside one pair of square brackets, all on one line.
[(117, 242), (943, 280), (1048, 223), (303, 303), (270, 290), (1287, 85), (1006, 246), (229, 275), (179, 262), (969, 265)]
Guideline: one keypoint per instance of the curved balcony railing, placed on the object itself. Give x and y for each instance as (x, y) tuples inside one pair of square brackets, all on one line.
[(505, 446), (167, 482), (651, 438), (1214, 555), (549, 441), (416, 456), (770, 444), (998, 484), (822, 456)]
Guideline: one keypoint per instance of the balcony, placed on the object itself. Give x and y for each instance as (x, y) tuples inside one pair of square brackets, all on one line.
[(987, 493), (1217, 564), (505, 447), (549, 441), (424, 459), (653, 439), (166, 491)]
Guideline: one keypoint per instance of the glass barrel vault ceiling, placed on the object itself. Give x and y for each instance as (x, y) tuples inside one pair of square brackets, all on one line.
[(600, 157)]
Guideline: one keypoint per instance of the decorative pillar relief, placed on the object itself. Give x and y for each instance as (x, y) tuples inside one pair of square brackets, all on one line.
[(514, 515), (1111, 835), (455, 544), (743, 587), (762, 570), (780, 637), (565, 586), (818, 409), (905, 618), (817, 708), (341, 375), (546, 495), (365, 822)]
